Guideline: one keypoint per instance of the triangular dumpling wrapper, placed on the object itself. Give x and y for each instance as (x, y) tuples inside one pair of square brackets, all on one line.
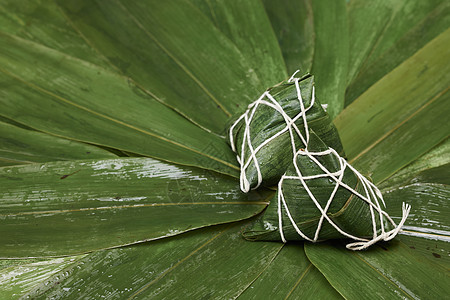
[(353, 217), (265, 131)]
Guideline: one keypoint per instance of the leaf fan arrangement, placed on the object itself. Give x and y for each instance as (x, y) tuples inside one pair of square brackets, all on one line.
[(116, 177)]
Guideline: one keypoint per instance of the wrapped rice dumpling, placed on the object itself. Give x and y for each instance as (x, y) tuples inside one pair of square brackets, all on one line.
[(322, 197), (273, 127)]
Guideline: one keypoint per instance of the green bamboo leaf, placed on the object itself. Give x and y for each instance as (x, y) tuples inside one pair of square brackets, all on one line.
[(22, 146), (223, 263), (156, 57), (424, 20), (42, 22), (411, 139), (436, 251), (376, 26), (434, 158), (429, 217), (439, 175), (173, 52), (387, 118), (67, 97), (427, 228), (246, 24), (395, 273), (79, 206), (331, 52), (7, 263), (290, 276), (16, 281), (313, 36), (425, 183), (293, 24)]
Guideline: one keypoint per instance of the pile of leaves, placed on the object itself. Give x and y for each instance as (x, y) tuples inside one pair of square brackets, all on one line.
[(116, 179)]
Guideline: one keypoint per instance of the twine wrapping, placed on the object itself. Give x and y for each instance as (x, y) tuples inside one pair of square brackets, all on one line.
[(370, 194)]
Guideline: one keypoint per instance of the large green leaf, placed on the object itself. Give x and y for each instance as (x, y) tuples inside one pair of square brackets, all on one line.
[(313, 36), (105, 273), (22, 146), (251, 33), (293, 24), (416, 23), (64, 96), (331, 53), (74, 207), (290, 275), (16, 281), (414, 137), (396, 272), (210, 263), (375, 26), (41, 21), (429, 218), (174, 52), (429, 192), (386, 117), (437, 251), (434, 158), (162, 59)]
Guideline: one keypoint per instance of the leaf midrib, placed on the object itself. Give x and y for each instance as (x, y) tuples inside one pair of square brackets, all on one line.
[(119, 72), (180, 262), (172, 56), (365, 68), (30, 155), (382, 275), (258, 203), (260, 273), (38, 88), (392, 130), (302, 276)]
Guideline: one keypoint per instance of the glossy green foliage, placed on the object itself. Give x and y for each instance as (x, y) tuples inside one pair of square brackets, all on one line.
[(385, 33), (74, 207), (259, 47), (437, 251), (331, 52), (189, 64), (431, 209), (293, 24), (64, 96), (200, 264), (275, 156), (290, 276), (17, 280), (313, 36), (381, 272), (434, 158), (42, 22), (21, 146), (398, 129), (161, 79)]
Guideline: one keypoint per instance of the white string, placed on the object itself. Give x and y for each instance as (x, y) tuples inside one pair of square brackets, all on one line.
[(372, 195)]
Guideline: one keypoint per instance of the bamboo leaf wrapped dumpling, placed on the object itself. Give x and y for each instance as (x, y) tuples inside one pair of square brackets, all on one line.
[(322, 197), (273, 127)]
